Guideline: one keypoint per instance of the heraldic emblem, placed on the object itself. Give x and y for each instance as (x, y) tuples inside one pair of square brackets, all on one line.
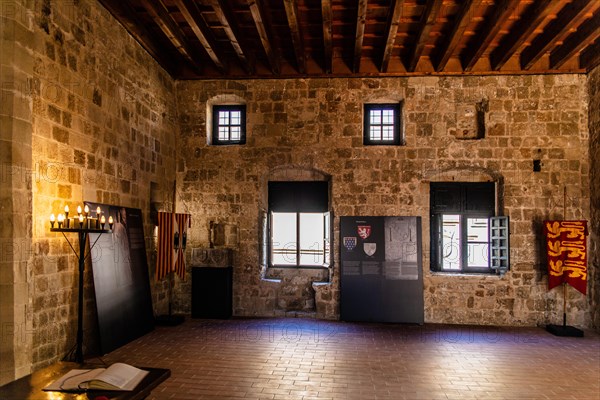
[(370, 248), (364, 231), (350, 242)]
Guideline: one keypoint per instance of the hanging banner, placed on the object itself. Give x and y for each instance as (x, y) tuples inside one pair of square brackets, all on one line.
[(183, 222), (566, 248), (172, 238)]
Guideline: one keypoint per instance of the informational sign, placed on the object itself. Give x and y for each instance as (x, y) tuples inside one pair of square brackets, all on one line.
[(381, 274), (121, 281)]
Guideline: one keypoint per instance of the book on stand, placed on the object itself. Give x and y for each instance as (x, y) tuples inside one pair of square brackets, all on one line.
[(117, 377)]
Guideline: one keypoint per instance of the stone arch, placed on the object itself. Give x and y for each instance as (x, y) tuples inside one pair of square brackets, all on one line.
[(470, 173)]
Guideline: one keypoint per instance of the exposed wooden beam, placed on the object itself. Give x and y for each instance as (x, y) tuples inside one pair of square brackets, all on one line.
[(361, 19), (590, 57), (166, 24), (571, 15), (427, 21), (263, 33), (392, 31), (520, 31), (463, 18), (587, 33), (190, 12), (490, 30), (327, 34), (291, 11), (126, 15), (228, 23)]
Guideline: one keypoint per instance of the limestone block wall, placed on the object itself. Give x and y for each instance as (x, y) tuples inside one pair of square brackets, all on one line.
[(104, 130), (594, 261), (16, 43), (316, 125)]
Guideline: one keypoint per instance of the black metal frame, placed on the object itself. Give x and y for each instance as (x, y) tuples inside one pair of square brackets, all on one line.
[(215, 124), (398, 139), (83, 231)]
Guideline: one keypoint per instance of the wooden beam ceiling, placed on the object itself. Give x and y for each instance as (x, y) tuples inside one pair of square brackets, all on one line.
[(190, 12), (489, 31), (524, 27), (264, 33), (566, 19), (227, 21), (587, 33), (463, 19), (428, 19), (392, 31), (361, 20), (161, 17), (291, 11), (327, 35), (206, 39)]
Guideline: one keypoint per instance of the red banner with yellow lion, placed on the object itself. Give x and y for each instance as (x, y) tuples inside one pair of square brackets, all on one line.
[(566, 247)]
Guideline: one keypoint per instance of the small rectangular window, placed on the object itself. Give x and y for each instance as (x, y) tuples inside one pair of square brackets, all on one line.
[(382, 124), (229, 124)]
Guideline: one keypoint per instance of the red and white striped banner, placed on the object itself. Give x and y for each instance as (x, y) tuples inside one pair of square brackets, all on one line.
[(172, 237)]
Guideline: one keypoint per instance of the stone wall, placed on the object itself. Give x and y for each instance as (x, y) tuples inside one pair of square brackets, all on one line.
[(316, 125), (101, 128), (594, 261), (16, 45)]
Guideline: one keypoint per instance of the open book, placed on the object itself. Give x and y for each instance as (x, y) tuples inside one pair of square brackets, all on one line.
[(118, 376)]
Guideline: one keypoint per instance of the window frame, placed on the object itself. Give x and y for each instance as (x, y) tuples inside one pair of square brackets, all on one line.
[(398, 139), (299, 197), (216, 109), (326, 245), (465, 209)]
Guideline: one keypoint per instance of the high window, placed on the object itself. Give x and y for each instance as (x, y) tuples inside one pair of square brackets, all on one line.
[(382, 124), (299, 224), (229, 124), (465, 234)]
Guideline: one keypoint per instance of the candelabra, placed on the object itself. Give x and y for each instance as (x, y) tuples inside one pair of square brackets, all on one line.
[(82, 224)]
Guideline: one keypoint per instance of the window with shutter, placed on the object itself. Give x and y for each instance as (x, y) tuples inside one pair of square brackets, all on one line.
[(465, 234)]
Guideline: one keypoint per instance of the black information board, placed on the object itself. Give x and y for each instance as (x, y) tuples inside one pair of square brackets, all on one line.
[(381, 269), (121, 281)]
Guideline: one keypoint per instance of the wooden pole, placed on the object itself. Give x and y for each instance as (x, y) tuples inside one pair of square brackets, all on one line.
[(171, 273)]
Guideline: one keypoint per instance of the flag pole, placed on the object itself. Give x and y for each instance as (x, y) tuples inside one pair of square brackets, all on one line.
[(564, 283)]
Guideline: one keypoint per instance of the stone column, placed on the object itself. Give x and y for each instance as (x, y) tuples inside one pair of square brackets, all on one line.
[(16, 71)]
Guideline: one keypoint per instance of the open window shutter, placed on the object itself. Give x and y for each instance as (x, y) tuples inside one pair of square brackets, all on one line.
[(499, 244), (264, 243), (327, 238)]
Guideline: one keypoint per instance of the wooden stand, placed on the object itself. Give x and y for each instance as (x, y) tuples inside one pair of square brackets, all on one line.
[(564, 329)]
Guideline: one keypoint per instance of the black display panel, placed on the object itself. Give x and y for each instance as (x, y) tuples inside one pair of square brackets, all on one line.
[(381, 269), (121, 281)]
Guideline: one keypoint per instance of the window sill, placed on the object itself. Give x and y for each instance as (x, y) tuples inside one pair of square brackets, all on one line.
[(466, 274), (298, 267)]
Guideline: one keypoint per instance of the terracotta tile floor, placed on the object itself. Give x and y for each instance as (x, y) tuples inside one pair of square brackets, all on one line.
[(314, 359)]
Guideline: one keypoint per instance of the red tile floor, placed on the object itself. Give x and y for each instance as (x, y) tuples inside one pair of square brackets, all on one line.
[(314, 359)]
